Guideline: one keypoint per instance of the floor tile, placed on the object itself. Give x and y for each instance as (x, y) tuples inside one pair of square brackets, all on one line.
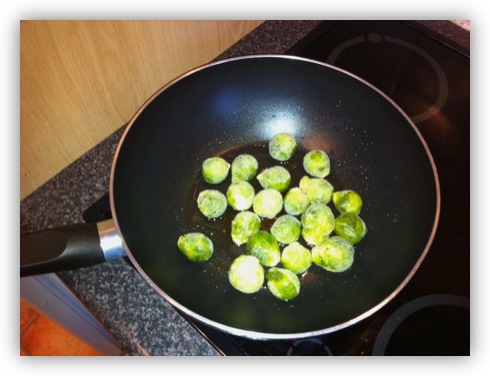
[(45, 337), (27, 315)]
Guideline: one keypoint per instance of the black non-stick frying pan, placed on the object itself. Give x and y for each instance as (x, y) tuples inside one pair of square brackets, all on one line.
[(235, 106)]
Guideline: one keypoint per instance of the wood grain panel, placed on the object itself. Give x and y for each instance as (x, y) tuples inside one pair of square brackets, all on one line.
[(82, 80)]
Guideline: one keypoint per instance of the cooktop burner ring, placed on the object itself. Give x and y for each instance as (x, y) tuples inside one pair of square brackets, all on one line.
[(409, 308), (378, 38)]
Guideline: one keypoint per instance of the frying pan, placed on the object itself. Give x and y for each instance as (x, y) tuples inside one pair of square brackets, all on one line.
[(232, 107)]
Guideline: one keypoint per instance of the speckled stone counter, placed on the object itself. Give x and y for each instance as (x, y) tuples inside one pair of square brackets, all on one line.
[(116, 294)]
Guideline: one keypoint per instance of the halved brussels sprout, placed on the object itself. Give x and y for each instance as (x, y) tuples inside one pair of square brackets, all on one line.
[(240, 195), (347, 201), (276, 177), (267, 203), (244, 167), (212, 203), (318, 222), (283, 283), (265, 247), (334, 254), (295, 201), (317, 163), (196, 246), (351, 227), (215, 170), (244, 225), (286, 229), (317, 189), (296, 258), (246, 274), (282, 146)]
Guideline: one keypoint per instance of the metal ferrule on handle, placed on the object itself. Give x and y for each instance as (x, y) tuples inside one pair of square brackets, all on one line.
[(110, 241)]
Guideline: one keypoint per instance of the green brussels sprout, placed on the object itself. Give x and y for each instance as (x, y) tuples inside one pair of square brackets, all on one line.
[(351, 227), (265, 247), (317, 163), (268, 203), (318, 222), (283, 283), (295, 201), (296, 258), (276, 177), (246, 274), (244, 167), (212, 203), (317, 189), (286, 229), (240, 195), (282, 146), (244, 225), (347, 201), (334, 254), (215, 170), (195, 246)]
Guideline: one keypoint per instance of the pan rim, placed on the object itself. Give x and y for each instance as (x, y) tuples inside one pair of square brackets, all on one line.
[(256, 335)]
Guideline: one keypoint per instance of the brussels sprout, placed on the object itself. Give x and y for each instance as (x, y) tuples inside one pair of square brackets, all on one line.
[(244, 225), (283, 283), (276, 177), (286, 229), (296, 258), (246, 274), (215, 170), (267, 203), (195, 246), (265, 247), (334, 254), (282, 146), (317, 189), (295, 201), (347, 201), (240, 195), (212, 203), (317, 163), (318, 222), (351, 227), (244, 167)]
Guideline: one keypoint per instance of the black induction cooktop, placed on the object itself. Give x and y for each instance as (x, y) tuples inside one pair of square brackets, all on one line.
[(428, 77)]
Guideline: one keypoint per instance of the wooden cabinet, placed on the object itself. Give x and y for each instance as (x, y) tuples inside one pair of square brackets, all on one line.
[(82, 80)]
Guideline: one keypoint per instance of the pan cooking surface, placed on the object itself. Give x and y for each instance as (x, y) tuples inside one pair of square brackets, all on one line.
[(236, 107)]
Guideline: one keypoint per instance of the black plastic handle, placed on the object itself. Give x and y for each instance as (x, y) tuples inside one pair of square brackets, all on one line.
[(60, 249)]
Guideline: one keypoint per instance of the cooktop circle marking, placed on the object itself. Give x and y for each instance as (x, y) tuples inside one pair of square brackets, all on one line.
[(441, 76), (397, 317)]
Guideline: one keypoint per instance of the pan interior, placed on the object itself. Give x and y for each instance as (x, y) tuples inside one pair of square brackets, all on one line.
[(236, 107)]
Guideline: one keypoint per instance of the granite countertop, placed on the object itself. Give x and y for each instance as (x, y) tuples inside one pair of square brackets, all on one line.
[(116, 294)]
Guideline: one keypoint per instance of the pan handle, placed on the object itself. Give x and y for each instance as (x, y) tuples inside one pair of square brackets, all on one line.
[(69, 247)]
